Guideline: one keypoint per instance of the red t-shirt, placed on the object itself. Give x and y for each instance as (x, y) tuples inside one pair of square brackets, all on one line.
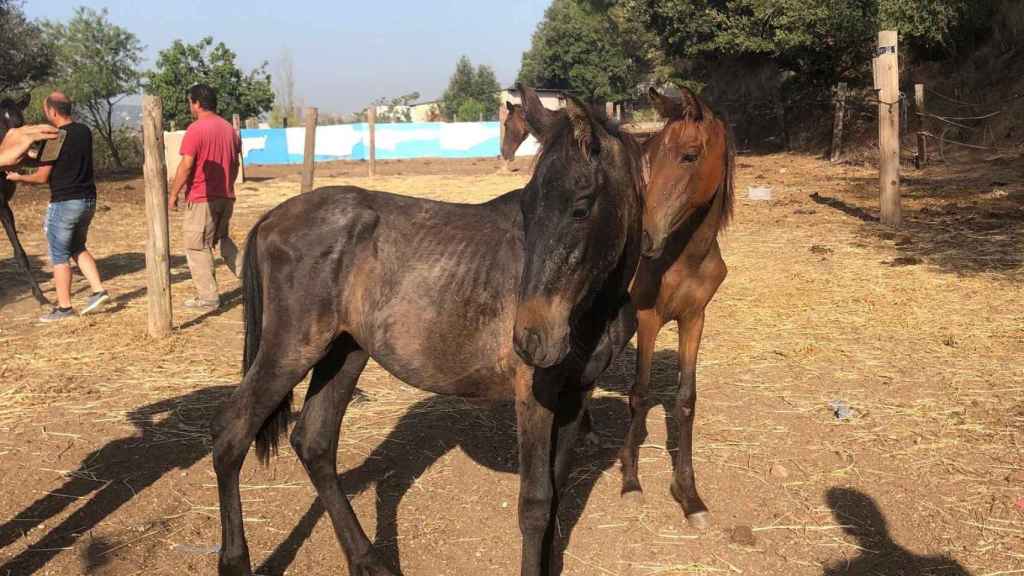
[(215, 146)]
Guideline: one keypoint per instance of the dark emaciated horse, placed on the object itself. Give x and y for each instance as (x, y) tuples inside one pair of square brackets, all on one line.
[(522, 297), (11, 117)]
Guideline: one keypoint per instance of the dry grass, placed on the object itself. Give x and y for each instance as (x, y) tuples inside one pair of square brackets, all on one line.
[(920, 331)]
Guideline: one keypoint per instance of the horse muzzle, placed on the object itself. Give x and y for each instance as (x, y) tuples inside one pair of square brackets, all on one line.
[(652, 247), (538, 350)]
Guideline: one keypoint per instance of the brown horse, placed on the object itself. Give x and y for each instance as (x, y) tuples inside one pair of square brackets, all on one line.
[(516, 125), (523, 297), (688, 199), (11, 117), (515, 132)]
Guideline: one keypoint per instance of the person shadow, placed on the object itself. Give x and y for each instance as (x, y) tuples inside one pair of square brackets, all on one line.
[(861, 518), (487, 434), (110, 477)]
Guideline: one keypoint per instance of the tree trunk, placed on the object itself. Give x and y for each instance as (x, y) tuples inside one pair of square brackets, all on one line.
[(108, 134)]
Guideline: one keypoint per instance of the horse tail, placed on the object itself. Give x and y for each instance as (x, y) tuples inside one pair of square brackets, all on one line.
[(273, 428)]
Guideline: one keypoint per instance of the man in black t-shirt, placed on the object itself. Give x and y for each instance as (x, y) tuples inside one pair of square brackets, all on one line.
[(72, 206)]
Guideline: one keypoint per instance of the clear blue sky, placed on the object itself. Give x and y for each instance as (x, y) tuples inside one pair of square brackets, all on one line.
[(346, 53)]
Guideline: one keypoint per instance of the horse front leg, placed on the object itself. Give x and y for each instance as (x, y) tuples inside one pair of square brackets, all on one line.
[(7, 216), (537, 498), (649, 322), (684, 486)]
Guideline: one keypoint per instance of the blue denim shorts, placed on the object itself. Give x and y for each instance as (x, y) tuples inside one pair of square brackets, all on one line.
[(66, 227)]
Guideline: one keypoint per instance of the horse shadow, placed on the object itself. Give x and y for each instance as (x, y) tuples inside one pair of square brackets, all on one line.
[(861, 518), (13, 283), (113, 475), (487, 434)]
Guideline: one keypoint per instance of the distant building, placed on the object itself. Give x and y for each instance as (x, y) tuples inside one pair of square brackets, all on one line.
[(551, 99), (426, 111)]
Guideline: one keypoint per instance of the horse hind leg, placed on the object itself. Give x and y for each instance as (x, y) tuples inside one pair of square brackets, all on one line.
[(266, 385), (7, 216), (315, 440)]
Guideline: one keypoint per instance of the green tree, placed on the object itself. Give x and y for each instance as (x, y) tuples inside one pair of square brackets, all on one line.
[(26, 58), (183, 65), (97, 66), (816, 43), (586, 50), (467, 83)]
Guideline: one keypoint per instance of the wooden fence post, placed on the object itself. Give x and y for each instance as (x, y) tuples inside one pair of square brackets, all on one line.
[(922, 142), (371, 120), (236, 121), (158, 241), (309, 153), (887, 75), (839, 104)]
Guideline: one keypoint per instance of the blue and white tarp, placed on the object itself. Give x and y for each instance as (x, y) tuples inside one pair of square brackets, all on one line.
[(393, 141)]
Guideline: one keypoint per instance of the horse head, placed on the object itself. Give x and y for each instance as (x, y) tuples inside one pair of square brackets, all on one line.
[(581, 213), (685, 164)]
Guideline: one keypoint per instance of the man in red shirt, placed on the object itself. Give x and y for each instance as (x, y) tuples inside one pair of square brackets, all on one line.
[(209, 164)]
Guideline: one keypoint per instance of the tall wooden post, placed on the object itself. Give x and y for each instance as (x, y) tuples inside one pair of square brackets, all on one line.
[(371, 120), (888, 85), (158, 241), (839, 103), (308, 154), (236, 121), (922, 123)]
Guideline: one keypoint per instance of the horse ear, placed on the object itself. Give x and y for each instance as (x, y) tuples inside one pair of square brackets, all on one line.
[(23, 102), (667, 107), (583, 128), (539, 119), (691, 104), (688, 106)]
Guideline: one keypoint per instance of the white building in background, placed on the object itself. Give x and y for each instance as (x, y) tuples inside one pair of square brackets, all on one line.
[(551, 99)]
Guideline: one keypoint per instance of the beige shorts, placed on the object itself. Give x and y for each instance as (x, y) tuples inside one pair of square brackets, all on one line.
[(207, 222)]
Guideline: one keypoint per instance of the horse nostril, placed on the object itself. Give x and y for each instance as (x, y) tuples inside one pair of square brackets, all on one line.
[(532, 343), (648, 244)]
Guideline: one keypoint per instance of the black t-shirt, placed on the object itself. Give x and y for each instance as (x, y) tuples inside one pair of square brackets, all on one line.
[(71, 177)]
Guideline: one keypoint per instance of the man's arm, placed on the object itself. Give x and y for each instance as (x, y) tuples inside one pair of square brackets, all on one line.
[(40, 176), (180, 179), (17, 141)]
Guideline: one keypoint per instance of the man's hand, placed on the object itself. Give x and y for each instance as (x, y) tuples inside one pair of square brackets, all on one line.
[(13, 176), (17, 141), (172, 201)]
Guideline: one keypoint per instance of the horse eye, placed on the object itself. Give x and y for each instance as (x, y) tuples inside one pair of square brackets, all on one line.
[(582, 208), (688, 157)]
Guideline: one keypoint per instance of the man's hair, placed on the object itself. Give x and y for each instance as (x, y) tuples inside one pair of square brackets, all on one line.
[(61, 106), (204, 95)]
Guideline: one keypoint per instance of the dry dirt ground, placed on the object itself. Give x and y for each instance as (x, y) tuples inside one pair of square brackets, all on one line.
[(105, 456)]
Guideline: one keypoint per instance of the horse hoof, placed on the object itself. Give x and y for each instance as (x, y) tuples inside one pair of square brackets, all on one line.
[(633, 501), (699, 520)]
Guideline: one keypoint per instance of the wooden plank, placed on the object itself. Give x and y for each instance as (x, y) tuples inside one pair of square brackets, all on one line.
[(236, 121), (308, 154), (371, 120), (922, 142), (887, 74), (158, 241), (839, 105)]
